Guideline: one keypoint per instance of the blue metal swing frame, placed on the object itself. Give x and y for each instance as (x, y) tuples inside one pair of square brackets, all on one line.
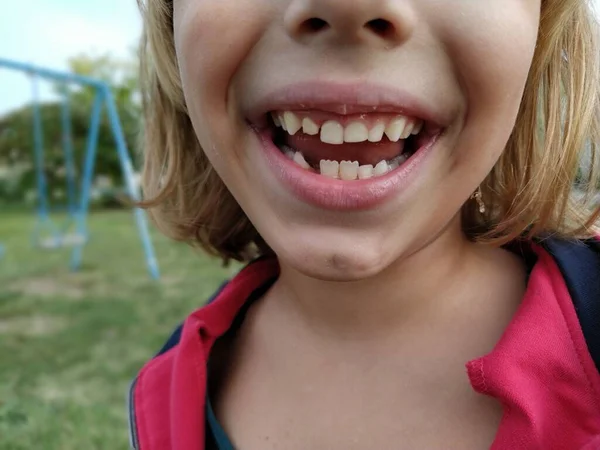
[(77, 209)]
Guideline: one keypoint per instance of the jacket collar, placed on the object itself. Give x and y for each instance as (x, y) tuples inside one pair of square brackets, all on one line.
[(527, 360)]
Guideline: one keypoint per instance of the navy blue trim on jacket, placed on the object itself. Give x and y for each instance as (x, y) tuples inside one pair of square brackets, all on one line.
[(579, 263)]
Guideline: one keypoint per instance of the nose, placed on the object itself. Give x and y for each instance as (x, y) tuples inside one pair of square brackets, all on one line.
[(389, 22)]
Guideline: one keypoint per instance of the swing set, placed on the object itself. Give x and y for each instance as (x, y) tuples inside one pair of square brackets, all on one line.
[(73, 232)]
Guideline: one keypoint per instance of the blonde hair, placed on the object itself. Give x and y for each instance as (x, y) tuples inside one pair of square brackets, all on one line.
[(529, 193)]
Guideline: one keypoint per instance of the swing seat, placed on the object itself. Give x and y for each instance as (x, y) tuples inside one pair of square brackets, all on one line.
[(74, 239), (51, 243), (67, 240)]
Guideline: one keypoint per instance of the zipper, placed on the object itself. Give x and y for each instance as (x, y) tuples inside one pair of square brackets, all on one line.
[(134, 443)]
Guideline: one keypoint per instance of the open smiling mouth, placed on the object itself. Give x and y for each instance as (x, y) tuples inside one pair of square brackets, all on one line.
[(346, 147), (352, 147)]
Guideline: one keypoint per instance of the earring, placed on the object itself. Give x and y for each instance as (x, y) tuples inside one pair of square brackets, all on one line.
[(477, 196)]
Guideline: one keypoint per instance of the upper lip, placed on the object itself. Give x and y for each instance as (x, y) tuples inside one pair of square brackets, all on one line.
[(345, 99)]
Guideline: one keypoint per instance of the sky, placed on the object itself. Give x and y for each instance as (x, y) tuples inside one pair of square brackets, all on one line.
[(48, 32)]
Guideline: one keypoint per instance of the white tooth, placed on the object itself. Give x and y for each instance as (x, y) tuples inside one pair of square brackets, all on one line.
[(356, 132), (348, 170), (332, 132), (276, 120), (381, 168), (329, 168), (288, 151), (292, 122), (395, 128), (418, 127), (309, 127), (376, 133), (365, 172), (397, 160), (407, 130), (299, 159)]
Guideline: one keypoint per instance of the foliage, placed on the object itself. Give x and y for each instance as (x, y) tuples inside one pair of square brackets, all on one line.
[(72, 342), (16, 129)]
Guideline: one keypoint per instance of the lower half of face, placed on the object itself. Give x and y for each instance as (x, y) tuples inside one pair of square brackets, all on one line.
[(351, 133)]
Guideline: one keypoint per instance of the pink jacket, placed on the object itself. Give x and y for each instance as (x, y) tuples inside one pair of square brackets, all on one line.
[(541, 370)]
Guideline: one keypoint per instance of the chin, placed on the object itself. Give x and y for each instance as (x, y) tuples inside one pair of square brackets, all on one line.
[(330, 263)]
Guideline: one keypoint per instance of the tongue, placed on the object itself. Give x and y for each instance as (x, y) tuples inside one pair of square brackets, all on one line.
[(315, 150)]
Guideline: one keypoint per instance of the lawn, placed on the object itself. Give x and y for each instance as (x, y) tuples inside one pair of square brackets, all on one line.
[(70, 343)]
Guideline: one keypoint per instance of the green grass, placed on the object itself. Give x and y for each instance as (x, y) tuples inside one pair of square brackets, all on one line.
[(70, 343)]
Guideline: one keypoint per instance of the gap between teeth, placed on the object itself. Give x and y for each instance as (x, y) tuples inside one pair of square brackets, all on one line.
[(346, 170), (333, 132)]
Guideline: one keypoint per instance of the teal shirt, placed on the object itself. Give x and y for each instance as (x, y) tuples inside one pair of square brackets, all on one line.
[(221, 441), (216, 438)]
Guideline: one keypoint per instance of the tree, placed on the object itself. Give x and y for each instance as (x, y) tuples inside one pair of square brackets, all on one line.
[(16, 128)]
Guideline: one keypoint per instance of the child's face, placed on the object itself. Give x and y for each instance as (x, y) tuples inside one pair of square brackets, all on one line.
[(460, 66)]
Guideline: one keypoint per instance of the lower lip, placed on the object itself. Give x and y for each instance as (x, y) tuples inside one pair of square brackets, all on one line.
[(334, 194)]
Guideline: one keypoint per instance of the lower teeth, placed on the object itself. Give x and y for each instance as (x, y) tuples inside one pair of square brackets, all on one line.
[(346, 170)]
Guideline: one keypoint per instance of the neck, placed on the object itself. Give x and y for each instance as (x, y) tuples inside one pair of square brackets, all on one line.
[(413, 287)]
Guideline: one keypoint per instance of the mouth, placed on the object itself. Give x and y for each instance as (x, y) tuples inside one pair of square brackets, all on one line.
[(346, 147), (349, 147)]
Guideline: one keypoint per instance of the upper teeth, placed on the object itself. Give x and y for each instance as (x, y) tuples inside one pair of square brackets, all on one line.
[(309, 127), (333, 132), (292, 122)]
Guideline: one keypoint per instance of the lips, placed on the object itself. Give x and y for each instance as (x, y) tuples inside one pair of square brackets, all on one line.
[(355, 160), (332, 193), (344, 100)]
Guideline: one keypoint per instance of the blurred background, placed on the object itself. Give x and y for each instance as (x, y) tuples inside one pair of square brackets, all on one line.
[(71, 341)]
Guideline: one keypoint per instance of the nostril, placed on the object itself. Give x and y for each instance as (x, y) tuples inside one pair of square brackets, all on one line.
[(380, 27), (315, 24)]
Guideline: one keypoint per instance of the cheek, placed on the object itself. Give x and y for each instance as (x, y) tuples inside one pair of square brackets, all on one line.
[(491, 45), (212, 39)]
